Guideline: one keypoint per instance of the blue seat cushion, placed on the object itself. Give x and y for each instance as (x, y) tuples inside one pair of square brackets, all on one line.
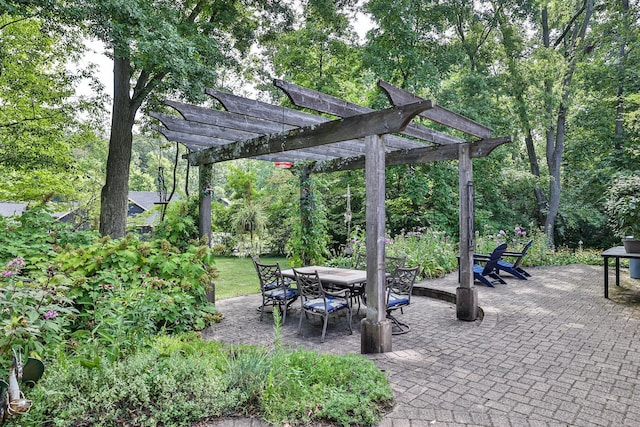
[(316, 305), (477, 268), (272, 285), (396, 300), (280, 293)]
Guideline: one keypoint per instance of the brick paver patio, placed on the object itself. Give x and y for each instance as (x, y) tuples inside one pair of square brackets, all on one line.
[(550, 351)]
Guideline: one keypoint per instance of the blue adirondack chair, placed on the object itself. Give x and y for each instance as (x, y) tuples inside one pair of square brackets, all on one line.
[(485, 270), (514, 268)]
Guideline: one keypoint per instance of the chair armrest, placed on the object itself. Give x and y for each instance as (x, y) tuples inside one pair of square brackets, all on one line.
[(516, 254)]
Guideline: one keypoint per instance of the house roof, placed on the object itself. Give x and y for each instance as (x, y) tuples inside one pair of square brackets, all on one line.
[(144, 199), (12, 208)]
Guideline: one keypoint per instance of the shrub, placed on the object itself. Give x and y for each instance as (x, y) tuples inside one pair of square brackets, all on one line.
[(173, 383), (36, 314), (182, 379), (126, 290), (36, 236)]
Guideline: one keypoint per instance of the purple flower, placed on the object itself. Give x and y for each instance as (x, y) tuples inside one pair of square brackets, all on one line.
[(7, 273), (17, 263), (51, 314)]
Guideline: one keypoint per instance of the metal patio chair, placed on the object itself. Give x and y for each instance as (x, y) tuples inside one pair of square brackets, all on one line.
[(399, 289), (318, 301), (276, 290)]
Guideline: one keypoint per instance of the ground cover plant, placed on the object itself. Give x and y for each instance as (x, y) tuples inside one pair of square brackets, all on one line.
[(179, 380)]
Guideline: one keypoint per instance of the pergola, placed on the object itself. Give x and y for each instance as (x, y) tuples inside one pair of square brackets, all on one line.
[(359, 138)]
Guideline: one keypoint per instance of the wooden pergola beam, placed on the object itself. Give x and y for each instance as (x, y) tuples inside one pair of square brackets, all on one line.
[(437, 114), (264, 111), (374, 123), (323, 103), (429, 154)]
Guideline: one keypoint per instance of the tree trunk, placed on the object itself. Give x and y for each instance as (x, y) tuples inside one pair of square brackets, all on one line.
[(555, 140), (622, 60), (114, 196), (517, 89)]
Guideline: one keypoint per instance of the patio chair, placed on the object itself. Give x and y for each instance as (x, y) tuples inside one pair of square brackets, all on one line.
[(399, 289), (276, 291), (514, 268), (360, 262), (391, 264), (318, 301), (488, 273)]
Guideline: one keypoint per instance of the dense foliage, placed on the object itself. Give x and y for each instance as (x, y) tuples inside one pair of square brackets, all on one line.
[(71, 290)]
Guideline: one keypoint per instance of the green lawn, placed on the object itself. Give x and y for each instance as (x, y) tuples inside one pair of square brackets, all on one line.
[(237, 276)]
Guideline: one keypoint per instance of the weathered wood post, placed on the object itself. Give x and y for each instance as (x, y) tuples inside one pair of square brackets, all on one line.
[(466, 294), (204, 212), (376, 328), (306, 205)]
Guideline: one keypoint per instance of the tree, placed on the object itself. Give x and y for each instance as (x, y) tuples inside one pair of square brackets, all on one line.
[(39, 118), (562, 42), (162, 46), (159, 48)]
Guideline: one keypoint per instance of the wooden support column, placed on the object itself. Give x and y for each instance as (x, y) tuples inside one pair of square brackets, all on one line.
[(305, 207), (466, 294), (204, 212), (375, 328)]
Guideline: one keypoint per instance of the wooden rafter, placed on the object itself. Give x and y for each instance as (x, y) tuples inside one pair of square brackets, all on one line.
[(323, 103), (437, 114), (427, 154), (265, 111), (375, 123)]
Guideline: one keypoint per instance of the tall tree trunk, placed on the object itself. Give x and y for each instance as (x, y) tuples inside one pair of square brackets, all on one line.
[(622, 60), (571, 39), (114, 196), (517, 89)]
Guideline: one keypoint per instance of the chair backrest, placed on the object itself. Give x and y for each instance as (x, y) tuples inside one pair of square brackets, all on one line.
[(360, 262), (392, 264), (403, 280), (523, 253), (268, 274), (309, 285), (494, 257)]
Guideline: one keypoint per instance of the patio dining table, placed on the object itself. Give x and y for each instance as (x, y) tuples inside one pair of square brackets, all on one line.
[(337, 277)]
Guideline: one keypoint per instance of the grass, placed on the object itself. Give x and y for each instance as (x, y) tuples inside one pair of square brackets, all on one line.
[(237, 276)]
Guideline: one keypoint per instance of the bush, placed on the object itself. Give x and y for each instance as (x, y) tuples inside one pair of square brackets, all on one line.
[(181, 380), (36, 314), (175, 383), (127, 290), (37, 237)]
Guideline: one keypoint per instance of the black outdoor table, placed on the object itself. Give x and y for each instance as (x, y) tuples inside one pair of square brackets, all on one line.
[(617, 253)]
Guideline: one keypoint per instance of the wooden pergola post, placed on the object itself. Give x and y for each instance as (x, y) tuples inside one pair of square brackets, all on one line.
[(206, 184), (305, 206), (375, 328), (466, 293)]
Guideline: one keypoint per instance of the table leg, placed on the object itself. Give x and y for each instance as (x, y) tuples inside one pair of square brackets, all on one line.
[(617, 271), (606, 277)]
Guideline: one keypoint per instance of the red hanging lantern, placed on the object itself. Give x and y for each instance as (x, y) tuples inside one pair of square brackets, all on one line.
[(283, 165)]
